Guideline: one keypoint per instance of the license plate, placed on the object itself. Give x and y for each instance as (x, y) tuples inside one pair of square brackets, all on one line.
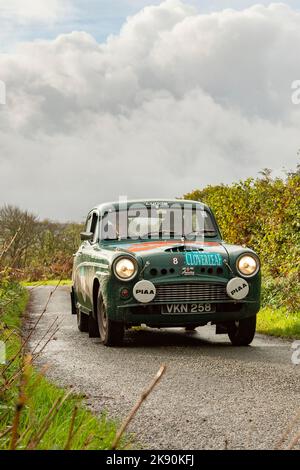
[(173, 309)]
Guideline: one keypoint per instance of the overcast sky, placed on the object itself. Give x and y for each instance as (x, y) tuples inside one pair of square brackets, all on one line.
[(141, 98)]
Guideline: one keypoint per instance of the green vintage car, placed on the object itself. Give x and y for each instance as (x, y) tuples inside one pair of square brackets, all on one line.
[(162, 263)]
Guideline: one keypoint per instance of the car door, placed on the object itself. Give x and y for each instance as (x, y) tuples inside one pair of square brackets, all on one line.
[(87, 268), (80, 266)]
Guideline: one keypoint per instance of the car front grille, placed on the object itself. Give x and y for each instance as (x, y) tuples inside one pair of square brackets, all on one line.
[(191, 292)]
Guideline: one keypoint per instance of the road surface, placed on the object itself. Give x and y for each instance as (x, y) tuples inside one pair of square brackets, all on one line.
[(213, 396)]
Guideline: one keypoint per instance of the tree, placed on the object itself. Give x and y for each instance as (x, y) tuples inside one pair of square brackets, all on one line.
[(23, 226)]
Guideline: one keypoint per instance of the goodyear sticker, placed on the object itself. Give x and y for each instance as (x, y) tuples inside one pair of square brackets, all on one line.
[(194, 258)]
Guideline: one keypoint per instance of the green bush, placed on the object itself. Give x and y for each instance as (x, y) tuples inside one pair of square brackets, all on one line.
[(282, 292)]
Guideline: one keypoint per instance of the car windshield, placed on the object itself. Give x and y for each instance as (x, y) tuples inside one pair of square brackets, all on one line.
[(157, 223)]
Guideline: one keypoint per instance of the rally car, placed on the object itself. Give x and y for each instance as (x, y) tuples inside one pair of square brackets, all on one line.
[(162, 263)]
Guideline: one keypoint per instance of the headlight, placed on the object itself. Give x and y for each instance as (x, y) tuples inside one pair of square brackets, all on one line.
[(248, 265), (125, 269)]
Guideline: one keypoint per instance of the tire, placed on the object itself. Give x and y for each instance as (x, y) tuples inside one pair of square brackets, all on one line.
[(73, 303), (241, 332), (111, 332), (82, 321), (93, 327)]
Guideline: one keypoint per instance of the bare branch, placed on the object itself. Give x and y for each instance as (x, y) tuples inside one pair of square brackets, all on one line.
[(47, 421), (20, 403), (8, 246), (33, 328), (135, 409), (71, 433)]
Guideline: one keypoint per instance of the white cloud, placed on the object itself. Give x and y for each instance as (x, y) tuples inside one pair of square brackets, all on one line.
[(177, 100), (34, 10), (27, 19)]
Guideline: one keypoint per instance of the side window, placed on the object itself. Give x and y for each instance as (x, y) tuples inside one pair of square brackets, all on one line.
[(88, 223), (94, 226)]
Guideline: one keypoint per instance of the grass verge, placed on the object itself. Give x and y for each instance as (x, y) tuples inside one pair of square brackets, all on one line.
[(48, 282), (278, 322), (27, 398)]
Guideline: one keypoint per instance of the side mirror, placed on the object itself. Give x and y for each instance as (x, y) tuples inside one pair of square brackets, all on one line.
[(86, 236)]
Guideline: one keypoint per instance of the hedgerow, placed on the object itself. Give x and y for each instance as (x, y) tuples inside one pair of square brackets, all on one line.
[(264, 214)]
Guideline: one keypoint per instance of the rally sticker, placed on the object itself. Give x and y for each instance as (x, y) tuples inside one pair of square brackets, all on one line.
[(194, 258), (188, 271)]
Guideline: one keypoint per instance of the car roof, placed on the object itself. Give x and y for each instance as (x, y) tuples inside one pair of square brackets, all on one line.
[(101, 208)]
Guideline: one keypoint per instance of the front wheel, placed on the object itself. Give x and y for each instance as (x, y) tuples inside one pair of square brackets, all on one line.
[(111, 332), (241, 332)]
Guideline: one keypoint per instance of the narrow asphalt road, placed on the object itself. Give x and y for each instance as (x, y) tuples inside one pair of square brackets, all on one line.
[(213, 396)]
